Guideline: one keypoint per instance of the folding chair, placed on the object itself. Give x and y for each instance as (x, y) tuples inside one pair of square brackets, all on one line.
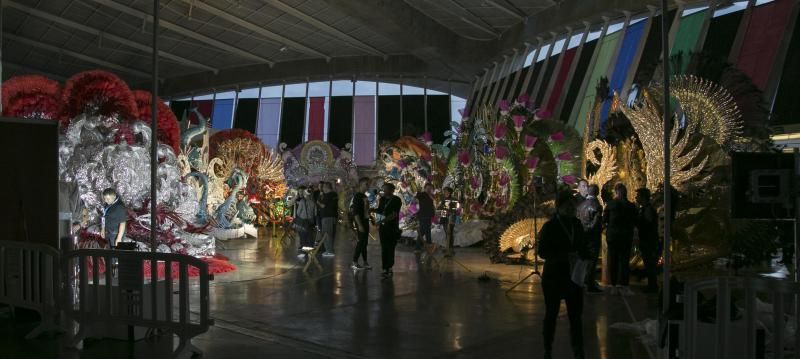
[(312, 255)]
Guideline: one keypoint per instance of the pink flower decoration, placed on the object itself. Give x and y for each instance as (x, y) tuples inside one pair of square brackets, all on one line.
[(463, 157), (474, 182), (475, 207), (564, 156), (500, 202), (500, 131), (519, 121), (523, 99), (531, 163), (500, 153), (427, 138), (503, 105), (530, 141), (503, 180), (412, 208), (557, 137), (569, 179), (401, 164), (542, 114)]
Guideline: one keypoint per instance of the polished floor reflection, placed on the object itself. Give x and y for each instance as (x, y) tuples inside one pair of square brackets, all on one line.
[(270, 308)]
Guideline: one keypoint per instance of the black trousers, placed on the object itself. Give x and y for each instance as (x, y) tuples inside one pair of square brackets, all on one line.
[(650, 254), (361, 246), (556, 289), (389, 237), (449, 232), (619, 257), (593, 242), (424, 232)]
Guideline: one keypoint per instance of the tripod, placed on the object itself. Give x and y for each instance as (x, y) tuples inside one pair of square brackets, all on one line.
[(534, 226), (450, 256)]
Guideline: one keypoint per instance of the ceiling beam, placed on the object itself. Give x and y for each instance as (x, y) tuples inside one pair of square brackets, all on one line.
[(361, 67), (258, 29), (185, 32), (32, 71), (104, 35), (330, 30), (76, 55), (464, 15), (508, 8)]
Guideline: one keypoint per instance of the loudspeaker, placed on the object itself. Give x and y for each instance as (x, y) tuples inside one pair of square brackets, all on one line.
[(29, 183), (763, 185)]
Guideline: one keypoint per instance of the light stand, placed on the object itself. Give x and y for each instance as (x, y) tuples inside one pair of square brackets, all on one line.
[(534, 225)]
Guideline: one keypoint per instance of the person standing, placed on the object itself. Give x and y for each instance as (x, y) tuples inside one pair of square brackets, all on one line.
[(590, 214), (425, 215), (449, 206), (115, 217), (561, 244), (305, 213), (620, 219), (317, 197), (388, 222), (647, 226), (359, 210), (329, 214), (582, 192)]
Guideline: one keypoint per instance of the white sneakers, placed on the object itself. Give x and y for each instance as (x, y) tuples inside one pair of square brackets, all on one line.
[(356, 266)]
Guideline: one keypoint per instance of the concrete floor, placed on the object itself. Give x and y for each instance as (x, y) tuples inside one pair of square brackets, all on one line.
[(269, 308)]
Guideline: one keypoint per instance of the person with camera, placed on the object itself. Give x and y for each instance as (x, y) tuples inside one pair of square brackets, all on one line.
[(328, 204), (359, 214), (619, 218), (449, 210), (305, 214), (387, 218), (425, 215), (590, 213), (562, 245)]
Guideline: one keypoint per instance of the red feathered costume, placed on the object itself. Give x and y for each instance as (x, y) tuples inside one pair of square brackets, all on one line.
[(31, 96), (97, 93), (168, 131)]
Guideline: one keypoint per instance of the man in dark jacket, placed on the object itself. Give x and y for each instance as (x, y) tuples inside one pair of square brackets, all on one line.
[(328, 204), (590, 214), (425, 215), (561, 243), (115, 217), (647, 226), (620, 219), (388, 222), (360, 213)]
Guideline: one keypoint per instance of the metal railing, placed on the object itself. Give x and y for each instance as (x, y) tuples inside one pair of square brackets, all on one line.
[(29, 279), (121, 294), (724, 337)]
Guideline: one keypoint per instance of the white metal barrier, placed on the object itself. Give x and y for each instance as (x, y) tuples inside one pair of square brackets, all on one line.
[(29, 279), (726, 338), (121, 295)]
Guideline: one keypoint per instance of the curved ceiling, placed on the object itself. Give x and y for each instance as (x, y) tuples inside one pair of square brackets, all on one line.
[(220, 44)]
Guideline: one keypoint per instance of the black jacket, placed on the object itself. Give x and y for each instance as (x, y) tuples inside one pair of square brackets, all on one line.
[(554, 245), (620, 218), (647, 224)]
